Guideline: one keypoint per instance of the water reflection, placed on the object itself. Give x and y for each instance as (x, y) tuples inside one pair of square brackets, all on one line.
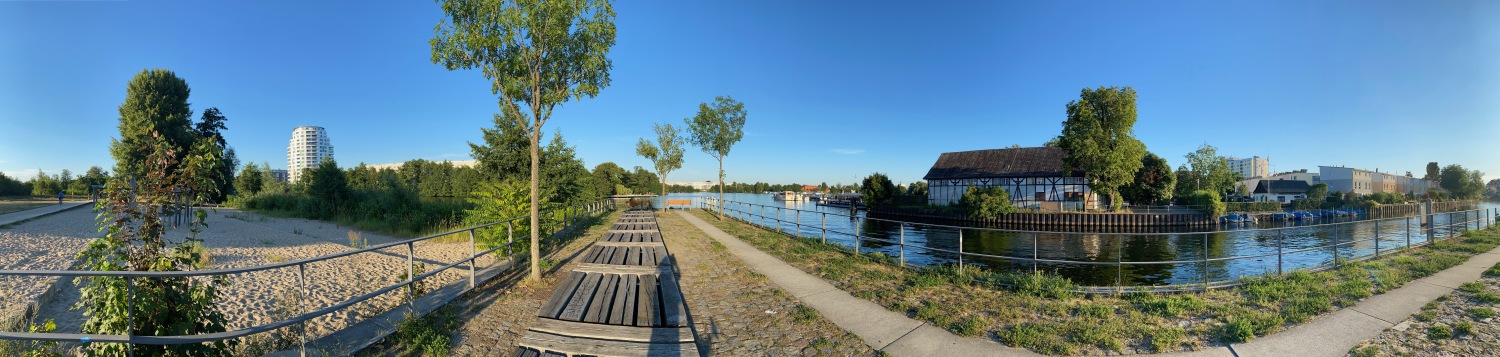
[(1303, 244)]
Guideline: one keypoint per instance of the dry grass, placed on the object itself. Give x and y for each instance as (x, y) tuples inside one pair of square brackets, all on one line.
[(1042, 313)]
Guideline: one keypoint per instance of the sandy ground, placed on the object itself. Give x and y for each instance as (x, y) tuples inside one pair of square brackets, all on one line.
[(47, 243), (240, 239)]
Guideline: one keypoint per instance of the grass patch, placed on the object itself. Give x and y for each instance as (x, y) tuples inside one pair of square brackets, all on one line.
[(1463, 328), (1047, 314), (1480, 313), (426, 336), (1439, 332), (1487, 297), (1493, 271), (804, 315), (1365, 351), (276, 259)]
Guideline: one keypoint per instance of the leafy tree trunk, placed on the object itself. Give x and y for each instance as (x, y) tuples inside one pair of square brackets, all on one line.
[(536, 255)]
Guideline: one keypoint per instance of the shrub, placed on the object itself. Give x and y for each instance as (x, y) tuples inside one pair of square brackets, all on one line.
[(969, 327), (1439, 332), (986, 202), (1480, 313), (804, 315), (1209, 201), (876, 190), (1463, 328)]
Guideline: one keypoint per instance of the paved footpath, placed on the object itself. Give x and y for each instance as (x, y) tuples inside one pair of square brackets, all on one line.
[(14, 217), (1328, 335)]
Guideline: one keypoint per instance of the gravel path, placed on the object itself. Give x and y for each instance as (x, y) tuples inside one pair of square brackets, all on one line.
[(1422, 335), (240, 239), (738, 312)]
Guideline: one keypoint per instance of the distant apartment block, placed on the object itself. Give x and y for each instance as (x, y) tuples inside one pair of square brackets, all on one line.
[(1249, 167), (279, 175), (696, 185), (309, 146), (1364, 182)]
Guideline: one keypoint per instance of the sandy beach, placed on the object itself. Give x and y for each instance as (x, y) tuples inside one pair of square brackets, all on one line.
[(240, 239)]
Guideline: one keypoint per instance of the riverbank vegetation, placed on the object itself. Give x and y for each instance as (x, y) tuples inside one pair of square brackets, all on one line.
[(1046, 314)]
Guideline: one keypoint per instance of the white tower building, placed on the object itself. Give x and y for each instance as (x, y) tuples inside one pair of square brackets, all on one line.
[(309, 146)]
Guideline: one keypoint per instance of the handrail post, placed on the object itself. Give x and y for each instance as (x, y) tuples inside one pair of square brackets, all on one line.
[(471, 259), (903, 244), (1033, 253), (824, 225), (510, 240), (129, 315), (302, 330), (798, 214), (1337, 230), (1280, 236), (411, 274), (1408, 232), (778, 219), (1377, 239), (1120, 264), (960, 250), (1205, 262), (856, 237)]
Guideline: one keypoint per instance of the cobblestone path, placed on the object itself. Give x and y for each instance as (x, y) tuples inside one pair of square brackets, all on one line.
[(738, 312), (1462, 323)]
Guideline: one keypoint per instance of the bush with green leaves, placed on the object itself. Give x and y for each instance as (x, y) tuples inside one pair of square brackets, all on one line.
[(136, 241), (876, 190), (1208, 201), (986, 202)]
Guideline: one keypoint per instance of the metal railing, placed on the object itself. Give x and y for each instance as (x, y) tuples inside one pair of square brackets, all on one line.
[(570, 216), (1455, 223)]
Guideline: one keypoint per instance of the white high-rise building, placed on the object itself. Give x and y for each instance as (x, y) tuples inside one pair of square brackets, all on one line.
[(309, 146), (1249, 167)]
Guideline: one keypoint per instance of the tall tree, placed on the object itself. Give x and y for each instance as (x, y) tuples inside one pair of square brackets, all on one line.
[(211, 126), (1210, 171), (156, 104), (666, 154), (1433, 173), (1099, 139), (715, 130), (1153, 184), (876, 190), (249, 181), (539, 54), (607, 177)]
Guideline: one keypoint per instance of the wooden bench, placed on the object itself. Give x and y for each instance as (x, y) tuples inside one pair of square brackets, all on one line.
[(684, 204), (622, 299)]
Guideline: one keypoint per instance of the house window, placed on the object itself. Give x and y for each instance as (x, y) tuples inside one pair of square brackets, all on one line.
[(1280, 198), (1041, 196)]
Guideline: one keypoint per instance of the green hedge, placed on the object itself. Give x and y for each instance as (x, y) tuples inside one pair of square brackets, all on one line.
[(1252, 206)]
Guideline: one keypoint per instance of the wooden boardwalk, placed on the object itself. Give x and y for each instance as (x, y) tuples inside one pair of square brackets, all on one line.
[(622, 300)]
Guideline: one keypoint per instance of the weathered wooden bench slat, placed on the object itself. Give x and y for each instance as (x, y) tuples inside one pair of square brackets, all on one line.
[(633, 255), (624, 307), (675, 314), (526, 352), (647, 302), (580, 301), (565, 290), (614, 332), (650, 312), (554, 354), (600, 305), (619, 257), (621, 269), (596, 347)]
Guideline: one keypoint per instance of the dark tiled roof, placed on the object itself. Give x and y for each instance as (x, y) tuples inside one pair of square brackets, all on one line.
[(1018, 162), (1282, 186)]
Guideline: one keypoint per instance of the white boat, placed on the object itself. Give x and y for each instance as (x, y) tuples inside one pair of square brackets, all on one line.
[(788, 196)]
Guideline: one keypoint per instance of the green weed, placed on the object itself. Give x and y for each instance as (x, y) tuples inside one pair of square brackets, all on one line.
[(1480, 313), (1439, 332), (1463, 328), (1487, 297), (1165, 339), (1097, 311), (1471, 287), (804, 315), (969, 327)]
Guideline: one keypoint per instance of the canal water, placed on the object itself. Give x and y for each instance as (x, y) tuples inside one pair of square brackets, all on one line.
[(1145, 257)]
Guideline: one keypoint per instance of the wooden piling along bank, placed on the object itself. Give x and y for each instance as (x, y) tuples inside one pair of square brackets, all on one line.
[(1057, 219), (622, 300)]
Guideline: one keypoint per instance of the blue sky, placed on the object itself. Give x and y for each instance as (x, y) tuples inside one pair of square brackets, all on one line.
[(834, 91)]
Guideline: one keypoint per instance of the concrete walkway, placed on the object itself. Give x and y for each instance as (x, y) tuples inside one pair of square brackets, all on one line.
[(14, 217), (1328, 335)]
